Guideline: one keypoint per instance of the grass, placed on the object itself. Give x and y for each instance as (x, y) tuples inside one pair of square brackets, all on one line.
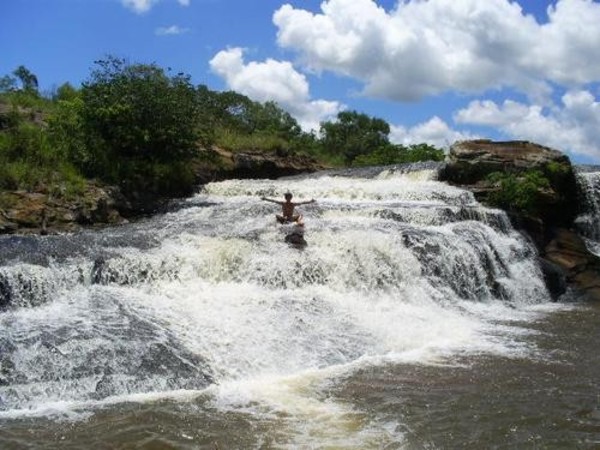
[(29, 162), (236, 142)]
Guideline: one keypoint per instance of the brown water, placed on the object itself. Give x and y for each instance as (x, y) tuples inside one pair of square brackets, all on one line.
[(549, 401), (415, 318)]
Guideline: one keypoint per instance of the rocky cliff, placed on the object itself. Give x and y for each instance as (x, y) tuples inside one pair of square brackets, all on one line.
[(564, 257), (41, 212)]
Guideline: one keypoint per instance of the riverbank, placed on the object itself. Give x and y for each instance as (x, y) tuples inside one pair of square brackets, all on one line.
[(44, 212)]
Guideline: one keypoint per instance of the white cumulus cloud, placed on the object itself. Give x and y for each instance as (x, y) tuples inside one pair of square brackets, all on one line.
[(423, 48), (435, 132), (573, 125), (276, 81)]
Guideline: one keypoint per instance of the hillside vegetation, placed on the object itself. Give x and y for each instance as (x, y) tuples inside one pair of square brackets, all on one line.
[(141, 128)]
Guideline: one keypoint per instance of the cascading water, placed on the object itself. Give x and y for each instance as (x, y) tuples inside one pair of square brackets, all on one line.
[(209, 301), (588, 223)]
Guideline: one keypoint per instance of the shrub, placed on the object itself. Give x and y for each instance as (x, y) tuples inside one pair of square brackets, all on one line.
[(28, 161), (398, 154), (235, 141), (354, 134), (135, 117), (517, 192)]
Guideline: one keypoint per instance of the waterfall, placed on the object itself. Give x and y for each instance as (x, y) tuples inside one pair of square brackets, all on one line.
[(398, 267), (588, 223)]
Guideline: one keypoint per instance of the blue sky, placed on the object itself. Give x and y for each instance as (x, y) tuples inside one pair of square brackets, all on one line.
[(436, 70)]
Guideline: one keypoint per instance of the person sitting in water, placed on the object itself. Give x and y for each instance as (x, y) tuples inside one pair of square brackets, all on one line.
[(288, 214)]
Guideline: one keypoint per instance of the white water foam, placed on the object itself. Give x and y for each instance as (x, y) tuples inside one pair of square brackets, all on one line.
[(394, 272)]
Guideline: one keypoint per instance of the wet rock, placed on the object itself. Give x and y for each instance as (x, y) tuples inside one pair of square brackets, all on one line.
[(102, 273), (581, 268), (252, 164), (104, 387), (7, 227), (296, 239), (179, 366), (43, 213), (265, 165), (470, 162), (5, 292), (555, 278)]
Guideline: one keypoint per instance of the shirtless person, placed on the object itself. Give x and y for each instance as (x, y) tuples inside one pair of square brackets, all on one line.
[(287, 209)]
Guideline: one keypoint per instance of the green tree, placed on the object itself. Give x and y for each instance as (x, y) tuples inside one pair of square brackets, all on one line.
[(423, 152), (67, 134), (66, 91), (398, 154), (354, 134), (141, 124), (7, 84), (270, 118), (234, 111), (308, 144), (518, 192), (29, 81)]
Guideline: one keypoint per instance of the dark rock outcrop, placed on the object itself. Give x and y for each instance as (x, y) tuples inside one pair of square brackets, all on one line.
[(223, 164), (568, 251), (565, 260), (470, 162), (42, 213)]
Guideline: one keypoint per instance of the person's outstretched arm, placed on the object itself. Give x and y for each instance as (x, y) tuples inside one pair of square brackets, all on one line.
[(306, 202), (271, 200)]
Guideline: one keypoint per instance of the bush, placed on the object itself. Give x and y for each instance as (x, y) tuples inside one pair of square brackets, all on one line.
[(235, 141), (354, 134), (67, 134), (28, 161), (146, 179), (135, 117), (517, 193), (398, 154)]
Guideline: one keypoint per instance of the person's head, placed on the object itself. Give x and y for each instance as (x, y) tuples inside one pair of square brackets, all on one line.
[(288, 196)]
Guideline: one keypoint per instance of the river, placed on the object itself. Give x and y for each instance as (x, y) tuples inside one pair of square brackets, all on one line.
[(415, 318)]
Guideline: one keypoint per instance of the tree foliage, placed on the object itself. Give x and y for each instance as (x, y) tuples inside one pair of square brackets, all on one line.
[(135, 118), (234, 111), (138, 126), (354, 134), (29, 81), (30, 161), (7, 83), (398, 154), (517, 192), (66, 91), (138, 111)]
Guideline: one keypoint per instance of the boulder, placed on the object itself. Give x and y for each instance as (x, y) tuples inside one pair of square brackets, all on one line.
[(469, 162), (296, 239), (43, 213), (261, 165), (568, 251), (565, 260), (223, 164)]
